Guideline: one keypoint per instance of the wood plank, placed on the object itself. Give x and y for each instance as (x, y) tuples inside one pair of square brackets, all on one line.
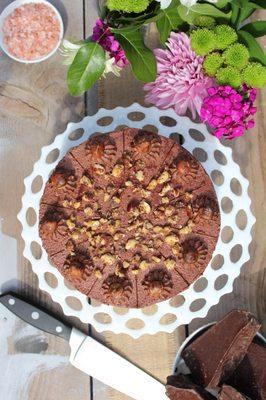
[(250, 288), (34, 107), (155, 354)]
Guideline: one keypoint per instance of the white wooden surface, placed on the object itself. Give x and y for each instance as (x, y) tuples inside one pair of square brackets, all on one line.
[(34, 107)]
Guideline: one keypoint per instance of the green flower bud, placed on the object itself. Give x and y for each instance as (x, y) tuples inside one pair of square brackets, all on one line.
[(128, 6), (202, 41), (225, 35), (254, 75), (212, 63), (204, 21), (237, 55), (229, 76)]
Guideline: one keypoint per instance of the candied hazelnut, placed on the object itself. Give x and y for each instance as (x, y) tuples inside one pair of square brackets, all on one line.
[(99, 169), (116, 287), (170, 263), (70, 224), (131, 244), (158, 283), (152, 185), (48, 228), (164, 177), (117, 170), (108, 259), (144, 207), (140, 176), (88, 211), (194, 251), (85, 181), (171, 240), (101, 148), (58, 180), (98, 274)]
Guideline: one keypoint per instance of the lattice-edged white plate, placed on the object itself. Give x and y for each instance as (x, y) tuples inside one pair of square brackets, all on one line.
[(231, 250)]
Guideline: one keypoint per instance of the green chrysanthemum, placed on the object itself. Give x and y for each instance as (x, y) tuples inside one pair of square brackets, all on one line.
[(203, 41), (212, 63), (128, 6), (254, 75), (204, 21), (225, 35), (229, 76), (236, 55)]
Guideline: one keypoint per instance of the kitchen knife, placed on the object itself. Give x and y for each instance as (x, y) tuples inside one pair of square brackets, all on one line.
[(88, 355)]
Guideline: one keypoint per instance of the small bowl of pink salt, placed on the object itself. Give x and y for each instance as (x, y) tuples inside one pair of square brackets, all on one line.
[(30, 30)]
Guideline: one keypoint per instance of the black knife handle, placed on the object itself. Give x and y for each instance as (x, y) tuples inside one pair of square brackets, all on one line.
[(35, 316)]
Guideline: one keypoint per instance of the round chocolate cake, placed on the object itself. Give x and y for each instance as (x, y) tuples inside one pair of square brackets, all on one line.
[(130, 218)]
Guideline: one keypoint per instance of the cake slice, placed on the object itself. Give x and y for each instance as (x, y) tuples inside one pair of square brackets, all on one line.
[(230, 393), (181, 387), (186, 172), (214, 356), (145, 153), (195, 252), (76, 265), (116, 286), (250, 376), (62, 189), (58, 226), (101, 158), (158, 283)]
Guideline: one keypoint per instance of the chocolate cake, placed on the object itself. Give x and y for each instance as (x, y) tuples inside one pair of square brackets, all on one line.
[(130, 218)]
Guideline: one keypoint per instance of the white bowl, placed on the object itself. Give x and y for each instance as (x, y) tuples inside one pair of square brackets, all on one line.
[(9, 9)]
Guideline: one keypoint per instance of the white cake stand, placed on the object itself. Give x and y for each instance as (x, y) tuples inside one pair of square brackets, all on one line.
[(231, 250)]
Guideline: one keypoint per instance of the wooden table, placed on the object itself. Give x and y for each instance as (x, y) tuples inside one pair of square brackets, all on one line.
[(34, 107)]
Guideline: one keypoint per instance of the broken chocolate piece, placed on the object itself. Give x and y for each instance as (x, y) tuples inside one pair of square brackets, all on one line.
[(230, 393), (250, 376), (214, 356), (181, 387)]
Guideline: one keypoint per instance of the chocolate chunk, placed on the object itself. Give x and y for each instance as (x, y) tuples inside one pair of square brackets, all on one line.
[(229, 393), (181, 387), (214, 356), (250, 376)]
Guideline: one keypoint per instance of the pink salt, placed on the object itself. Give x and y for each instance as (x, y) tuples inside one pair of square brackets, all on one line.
[(31, 31)]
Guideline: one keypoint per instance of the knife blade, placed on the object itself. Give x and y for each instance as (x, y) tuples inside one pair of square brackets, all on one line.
[(87, 354)]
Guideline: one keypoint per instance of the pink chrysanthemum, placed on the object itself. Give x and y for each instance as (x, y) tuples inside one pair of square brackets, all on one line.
[(181, 82), (103, 36), (229, 112)]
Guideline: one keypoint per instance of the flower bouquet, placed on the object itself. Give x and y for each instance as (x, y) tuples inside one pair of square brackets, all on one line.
[(209, 62)]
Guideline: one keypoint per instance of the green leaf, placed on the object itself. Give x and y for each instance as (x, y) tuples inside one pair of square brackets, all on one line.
[(168, 21), (86, 69), (188, 14), (246, 10), (256, 29), (260, 3), (235, 13), (221, 3), (141, 58), (255, 51)]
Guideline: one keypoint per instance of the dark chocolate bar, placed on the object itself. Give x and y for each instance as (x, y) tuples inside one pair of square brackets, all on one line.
[(230, 393), (250, 376), (214, 356), (181, 387)]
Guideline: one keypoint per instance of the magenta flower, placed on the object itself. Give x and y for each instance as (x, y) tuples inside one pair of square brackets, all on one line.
[(103, 36), (229, 112), (181, 82)]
